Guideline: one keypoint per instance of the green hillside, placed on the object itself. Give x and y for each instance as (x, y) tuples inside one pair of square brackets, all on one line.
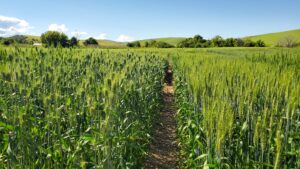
[(32, 38), (271, 39), (173, 41)]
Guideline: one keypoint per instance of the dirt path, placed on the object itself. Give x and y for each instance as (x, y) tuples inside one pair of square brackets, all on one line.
[(163, 153)]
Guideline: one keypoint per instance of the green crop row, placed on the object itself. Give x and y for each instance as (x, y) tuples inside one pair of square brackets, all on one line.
[(239, 108), (77, 108)]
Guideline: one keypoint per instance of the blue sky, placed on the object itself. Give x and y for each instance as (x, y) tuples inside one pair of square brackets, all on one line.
[(126, 20)]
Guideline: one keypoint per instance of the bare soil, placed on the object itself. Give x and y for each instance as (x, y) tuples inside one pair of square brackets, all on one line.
[(163, 152)]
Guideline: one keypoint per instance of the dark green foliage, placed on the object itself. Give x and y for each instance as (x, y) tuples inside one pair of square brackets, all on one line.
[(199, 42), (146, 44), (90, 41), (218, 41), (196, 42), (260, 43), (249, 43), (230, 42), (73, 42), (21, 39), (239, 42), (55, 39), (135, 44), (8, 42)]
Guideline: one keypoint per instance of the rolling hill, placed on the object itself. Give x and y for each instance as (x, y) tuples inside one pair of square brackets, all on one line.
[(170, 40), (271, 39)]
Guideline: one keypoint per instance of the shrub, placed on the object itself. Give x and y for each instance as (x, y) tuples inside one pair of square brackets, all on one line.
[(8, 42), (260, 43), (73, 42), (249, 43), (218, 41), (90, 41), (135, 44)]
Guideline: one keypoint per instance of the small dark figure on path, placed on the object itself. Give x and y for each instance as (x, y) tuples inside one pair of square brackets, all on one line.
[(169, 75)]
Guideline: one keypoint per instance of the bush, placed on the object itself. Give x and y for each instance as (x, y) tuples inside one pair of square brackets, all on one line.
[(230, 42), (158, 44), (249, 43), (8, 42), (260, 43), (239, 42), (90, 41), (135, 44), (73, 42), (218, 41), (55, 39)]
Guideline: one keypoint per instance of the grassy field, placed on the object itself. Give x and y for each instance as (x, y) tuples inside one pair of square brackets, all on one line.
[(95, 108), (272, 39)]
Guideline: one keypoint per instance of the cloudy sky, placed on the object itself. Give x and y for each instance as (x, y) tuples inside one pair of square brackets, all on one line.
[(127, 20)]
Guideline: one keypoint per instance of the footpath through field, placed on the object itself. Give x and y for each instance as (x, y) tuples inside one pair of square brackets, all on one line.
[(163, 152)]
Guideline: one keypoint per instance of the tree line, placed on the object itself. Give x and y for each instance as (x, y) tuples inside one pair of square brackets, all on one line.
[(48, 39), (55, 39), (199, 42)]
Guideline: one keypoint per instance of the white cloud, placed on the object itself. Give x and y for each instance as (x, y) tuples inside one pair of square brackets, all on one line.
[(11, 26), (102, 36), (124, 38), (58, 28)]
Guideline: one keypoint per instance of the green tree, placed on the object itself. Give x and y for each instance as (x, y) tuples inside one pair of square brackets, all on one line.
[(230, 42), (8, 41), (73, 42), (249, 43), (53, 38), (146, 44), (260, 43), (239, 42), (90, 41), (218, 41), (135, 44)]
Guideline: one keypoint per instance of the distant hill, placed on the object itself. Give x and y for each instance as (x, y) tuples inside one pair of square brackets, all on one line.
[(271, 39), (33, 38), (171, 40)]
